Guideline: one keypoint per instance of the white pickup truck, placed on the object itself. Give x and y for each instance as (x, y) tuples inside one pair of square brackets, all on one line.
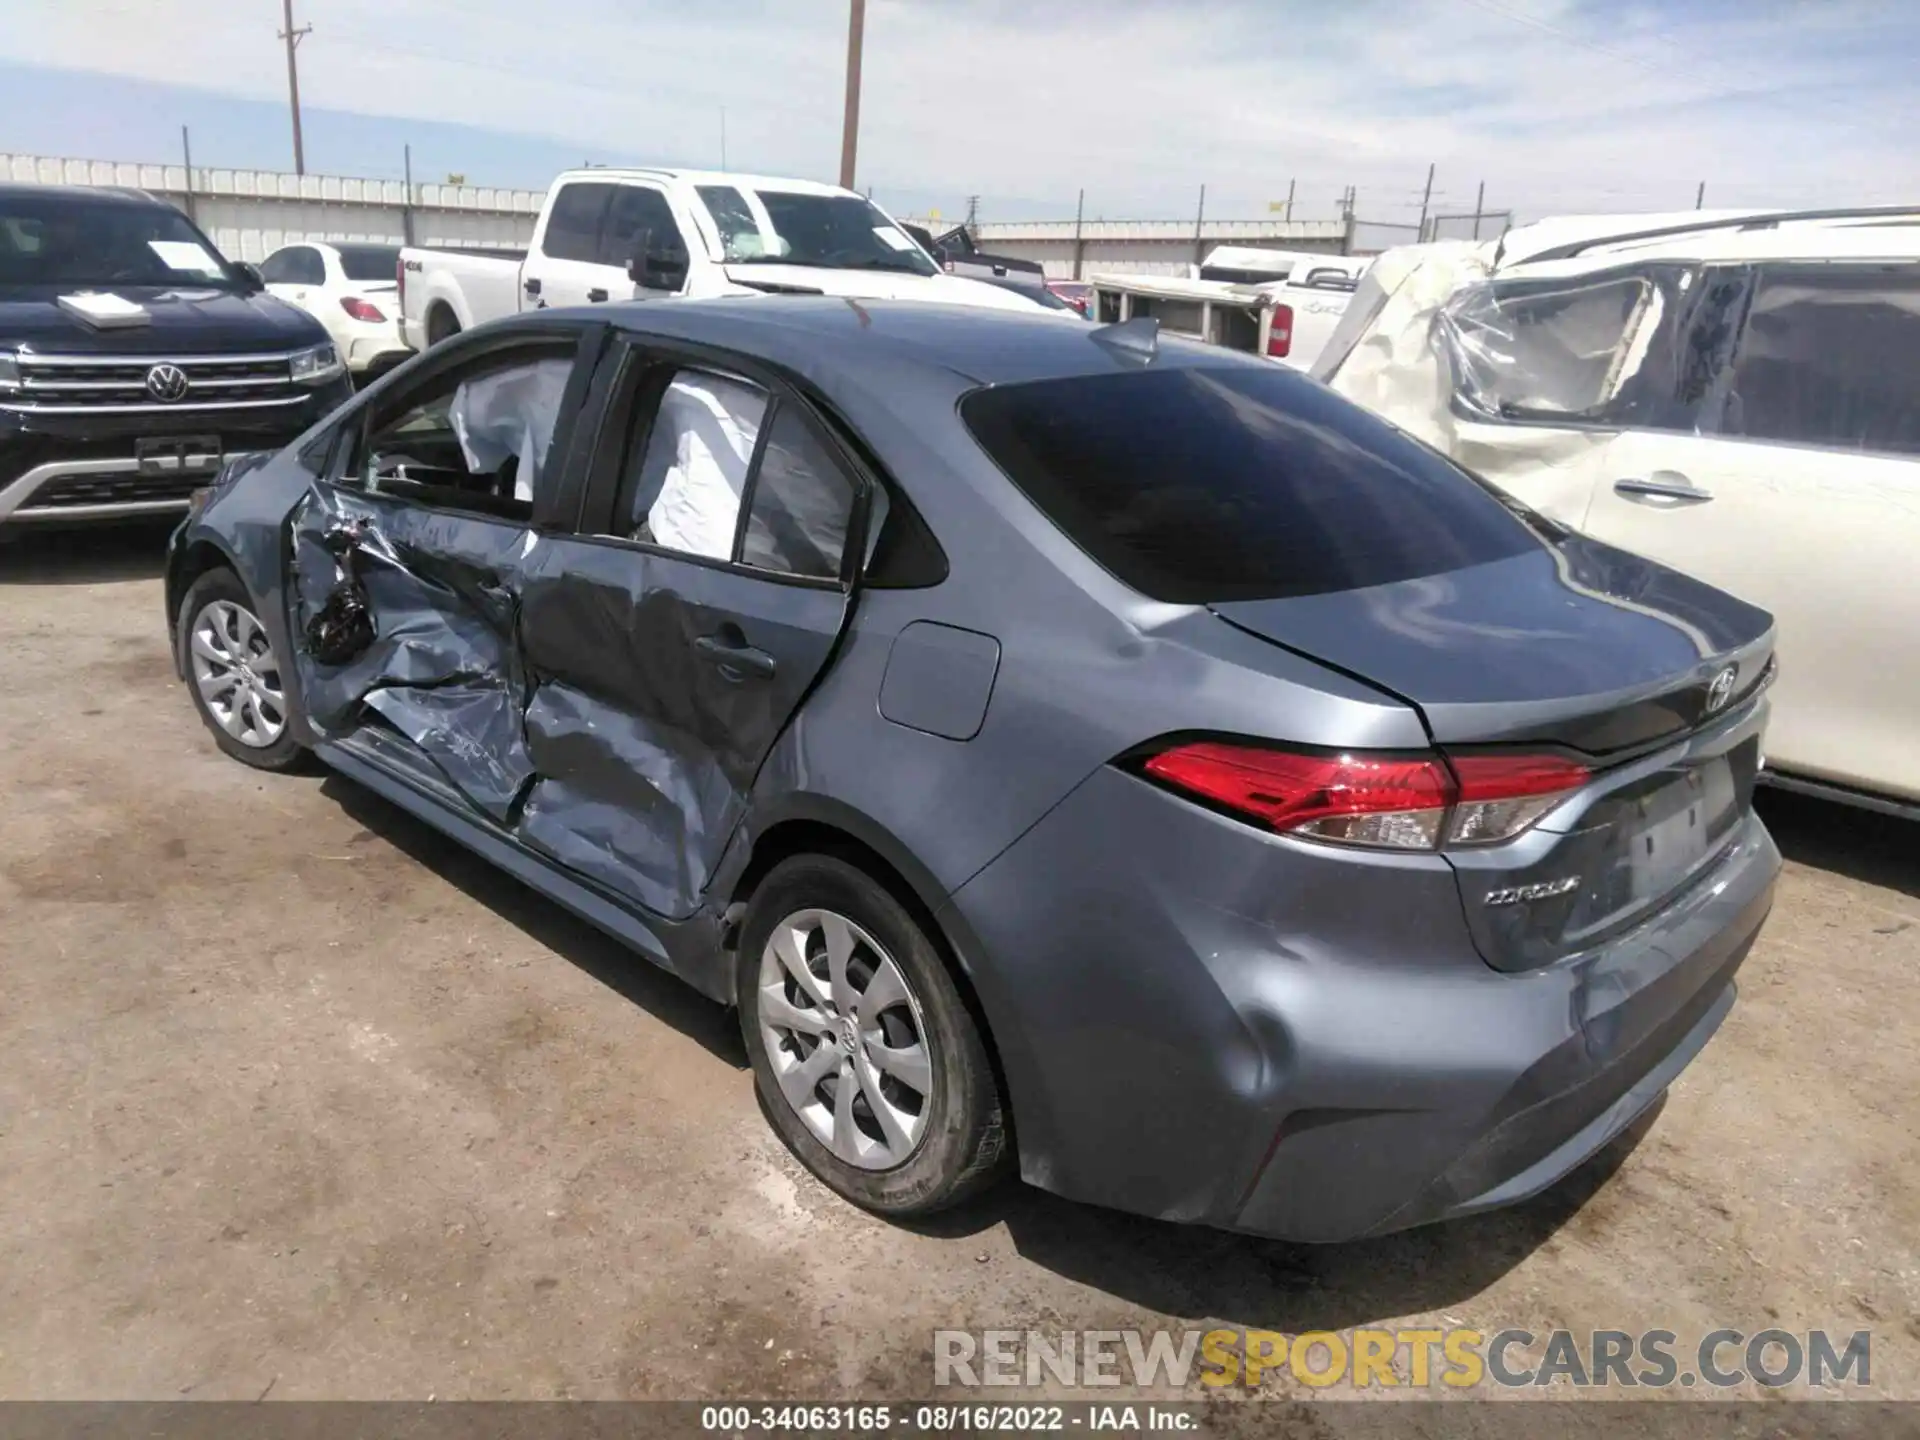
[(1287, 318), (608, 234)]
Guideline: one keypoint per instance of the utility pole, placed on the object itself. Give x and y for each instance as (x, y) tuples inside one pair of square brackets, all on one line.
[(406, 210), (1700, 195), (1199, 221), (1290, 185), (850, 124), (293, 38), (186, 154), (1479, 200), (1079, 246), (1426, 199)]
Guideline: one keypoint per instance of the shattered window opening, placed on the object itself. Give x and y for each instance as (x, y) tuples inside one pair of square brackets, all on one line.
[(1559, 353), (476, 441)]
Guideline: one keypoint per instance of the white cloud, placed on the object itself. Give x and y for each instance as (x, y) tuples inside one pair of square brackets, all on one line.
[(1556, 105)]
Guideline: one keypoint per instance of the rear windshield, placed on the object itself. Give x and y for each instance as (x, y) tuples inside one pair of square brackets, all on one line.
[(369, 262), (1200, 485)]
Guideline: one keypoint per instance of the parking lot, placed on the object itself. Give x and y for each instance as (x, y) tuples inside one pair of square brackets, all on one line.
[(298, 1099)]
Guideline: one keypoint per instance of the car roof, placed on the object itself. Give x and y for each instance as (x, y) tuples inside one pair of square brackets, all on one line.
[(115, 194), (806, 334), (1573, 244), (704, 177)]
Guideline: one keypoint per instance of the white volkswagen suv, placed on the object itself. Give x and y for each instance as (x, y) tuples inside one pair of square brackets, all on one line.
[(1736, 395)]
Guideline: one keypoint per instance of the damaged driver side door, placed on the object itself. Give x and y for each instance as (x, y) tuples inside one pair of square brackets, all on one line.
[(409, 556)]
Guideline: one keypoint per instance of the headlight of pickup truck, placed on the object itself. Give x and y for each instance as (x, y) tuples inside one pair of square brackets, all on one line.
[(311, 367)]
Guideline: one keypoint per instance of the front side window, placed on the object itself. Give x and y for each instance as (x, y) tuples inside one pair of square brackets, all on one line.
[(638, 219), (478, 439), (1545, 350), (50, 238), (1197, 485), (781, 227), (1830, 356)]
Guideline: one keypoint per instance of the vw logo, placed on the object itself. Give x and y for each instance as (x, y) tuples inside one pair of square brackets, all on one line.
[(167, 382), (1720, 689)]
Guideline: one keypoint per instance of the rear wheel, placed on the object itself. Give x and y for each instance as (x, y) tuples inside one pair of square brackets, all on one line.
[(871, 1068), (234, 674), (441, 324)]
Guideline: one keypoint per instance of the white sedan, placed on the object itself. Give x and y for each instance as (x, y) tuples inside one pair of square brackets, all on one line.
[(349, 287)]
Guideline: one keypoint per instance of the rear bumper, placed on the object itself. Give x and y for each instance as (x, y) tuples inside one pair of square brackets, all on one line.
[(1201, 1023), (370, 356)]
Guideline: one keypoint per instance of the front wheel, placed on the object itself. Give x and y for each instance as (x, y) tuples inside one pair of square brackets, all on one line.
[(872, 1070), (235, 677)]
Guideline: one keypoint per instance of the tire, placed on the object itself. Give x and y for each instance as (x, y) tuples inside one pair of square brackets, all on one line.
[(442, 324), (253, 726), (957, 1133)]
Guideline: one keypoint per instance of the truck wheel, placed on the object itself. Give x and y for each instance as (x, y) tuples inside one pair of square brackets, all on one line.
[(870, 1066), (441, 323)]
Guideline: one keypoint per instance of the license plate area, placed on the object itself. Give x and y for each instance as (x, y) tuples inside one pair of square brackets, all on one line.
[(165, 456)]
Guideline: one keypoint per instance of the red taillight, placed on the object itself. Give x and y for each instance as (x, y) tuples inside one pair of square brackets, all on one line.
[(1280, 332), (360, 309), (1404, 802)]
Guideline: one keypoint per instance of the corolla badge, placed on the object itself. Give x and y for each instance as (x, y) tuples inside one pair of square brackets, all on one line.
[(167, 382), (1720, 689), (1542, 890)]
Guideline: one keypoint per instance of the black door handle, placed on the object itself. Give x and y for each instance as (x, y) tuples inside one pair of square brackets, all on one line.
[(735, 660), (531, 285), (596, 296)]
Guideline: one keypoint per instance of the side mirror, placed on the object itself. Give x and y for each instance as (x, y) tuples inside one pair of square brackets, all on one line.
[(657, 266), (250, 273)]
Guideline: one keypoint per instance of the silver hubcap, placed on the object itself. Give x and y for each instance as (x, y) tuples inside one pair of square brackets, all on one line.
[(843, 1030), (237, 675)]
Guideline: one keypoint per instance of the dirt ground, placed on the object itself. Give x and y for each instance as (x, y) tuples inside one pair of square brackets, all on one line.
[(298, 1099)]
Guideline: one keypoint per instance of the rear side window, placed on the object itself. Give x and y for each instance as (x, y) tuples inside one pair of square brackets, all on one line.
[(573, 222), (1198, 485), (1830, 356), (802, 502)]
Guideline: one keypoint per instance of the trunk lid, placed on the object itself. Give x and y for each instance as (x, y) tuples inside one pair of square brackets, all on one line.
[(1654, 679)]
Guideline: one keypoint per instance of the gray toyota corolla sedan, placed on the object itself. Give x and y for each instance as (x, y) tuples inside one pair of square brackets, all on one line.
[(1065, 746)]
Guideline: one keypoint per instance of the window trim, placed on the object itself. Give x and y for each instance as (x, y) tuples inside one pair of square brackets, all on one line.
[(634, 357)]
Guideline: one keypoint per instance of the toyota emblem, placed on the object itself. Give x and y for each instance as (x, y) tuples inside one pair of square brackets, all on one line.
[(1720, 689), (167, 382)]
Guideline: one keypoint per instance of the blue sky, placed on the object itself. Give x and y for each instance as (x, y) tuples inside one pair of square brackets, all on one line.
[(1558, 105)]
